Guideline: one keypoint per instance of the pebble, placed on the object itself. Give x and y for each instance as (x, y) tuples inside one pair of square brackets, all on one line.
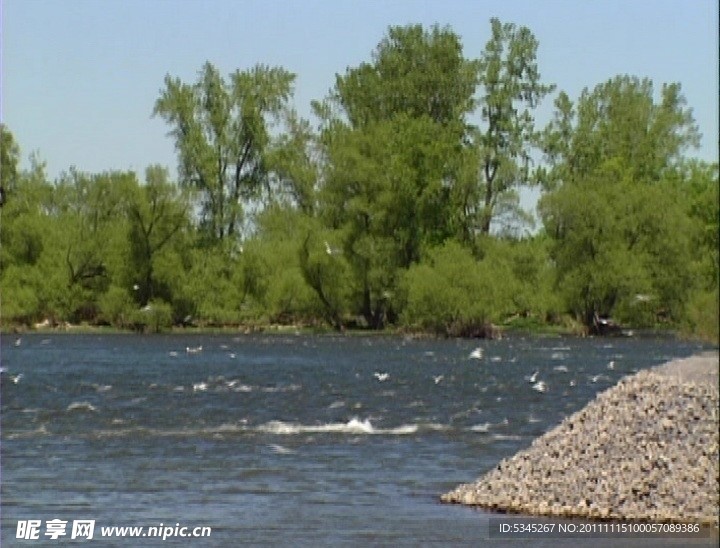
[(645, 449)]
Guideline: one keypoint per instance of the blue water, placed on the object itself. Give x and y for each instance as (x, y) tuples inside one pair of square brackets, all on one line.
[(282, 440)]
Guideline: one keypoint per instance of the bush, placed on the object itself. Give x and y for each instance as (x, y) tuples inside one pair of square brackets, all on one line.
[(702, 316), (117, 307), (153, 318), (455, 295)]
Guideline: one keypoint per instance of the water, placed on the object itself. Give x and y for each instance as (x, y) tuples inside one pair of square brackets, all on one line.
[(282, 440)]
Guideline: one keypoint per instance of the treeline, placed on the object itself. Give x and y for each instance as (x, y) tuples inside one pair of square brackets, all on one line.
[(401, 208)]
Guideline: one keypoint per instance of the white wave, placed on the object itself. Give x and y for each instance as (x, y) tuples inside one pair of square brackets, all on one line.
[(353, 426), (501, 437), (560, 368), (81, 406), (280, 450), (336, 404), (558, 356), (481, 427), (288, 388)]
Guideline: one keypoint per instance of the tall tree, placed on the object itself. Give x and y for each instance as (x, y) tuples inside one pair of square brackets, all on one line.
[(618, 222), (511, 89), (221, 134), (392, 131)]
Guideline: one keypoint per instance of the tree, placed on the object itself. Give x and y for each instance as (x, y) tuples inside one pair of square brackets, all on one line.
[(221, 134), (511, 89), (90, 245), (158, 212), (414, 72), (293, 163), (392, 131), (617, 221), (9, 158)]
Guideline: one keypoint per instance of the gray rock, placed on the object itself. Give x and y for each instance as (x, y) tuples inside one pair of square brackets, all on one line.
[(645, 449)]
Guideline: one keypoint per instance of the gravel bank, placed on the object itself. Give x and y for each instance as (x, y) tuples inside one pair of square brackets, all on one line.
[(645, 449)]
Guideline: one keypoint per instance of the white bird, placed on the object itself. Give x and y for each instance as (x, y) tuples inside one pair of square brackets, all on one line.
[(331, 250), (16, 379), (532, 378), (438, 379), (611, 365), (18, 341), (540, 386), (477, 354), (382, 377), (193, 349)]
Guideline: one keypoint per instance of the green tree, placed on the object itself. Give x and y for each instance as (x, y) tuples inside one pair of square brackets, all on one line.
[(90, 246), (158, 212), (26, 240), (393, 130), (511, 89), (221, 134), (617, 221), (454, 294), (9, 159)]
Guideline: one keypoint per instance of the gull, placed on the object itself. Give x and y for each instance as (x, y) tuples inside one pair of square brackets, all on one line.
[(477, 354), (532, 378), (438, 378), (611, 365), (331, 250), (539, 386), (193, 349), (16, 379), (382, 377), (18, 341)]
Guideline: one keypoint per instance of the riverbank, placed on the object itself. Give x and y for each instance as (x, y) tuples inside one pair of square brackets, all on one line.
[(645, 449)]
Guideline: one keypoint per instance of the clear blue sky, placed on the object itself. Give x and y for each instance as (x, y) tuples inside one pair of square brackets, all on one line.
[(80, 77)]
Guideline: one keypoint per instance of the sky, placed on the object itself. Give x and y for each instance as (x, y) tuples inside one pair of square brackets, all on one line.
[(79, 78)]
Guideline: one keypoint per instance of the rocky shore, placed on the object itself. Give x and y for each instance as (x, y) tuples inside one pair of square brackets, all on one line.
[(645, 449)]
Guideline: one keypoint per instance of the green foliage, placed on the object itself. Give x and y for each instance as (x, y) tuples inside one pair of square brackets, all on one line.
[(325, 269), (155, 317), (384, 214), (415, 73), (511, 90), (702, 317), (620, 233), (221, 133), (454, 294), (215, 285), (9, 159), (117, 307), (20, 290)]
